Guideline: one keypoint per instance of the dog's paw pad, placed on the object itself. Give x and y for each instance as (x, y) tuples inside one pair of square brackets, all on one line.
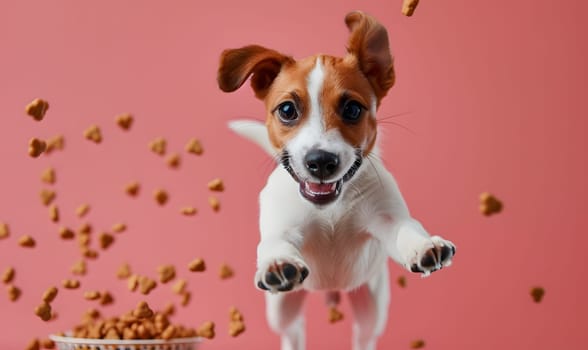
[(281, 276), (434, 257)]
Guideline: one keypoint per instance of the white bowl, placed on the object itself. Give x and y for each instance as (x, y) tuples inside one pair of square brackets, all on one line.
[(71, 343)]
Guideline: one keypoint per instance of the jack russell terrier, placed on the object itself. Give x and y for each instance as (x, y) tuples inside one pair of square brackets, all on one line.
[(330, 214)]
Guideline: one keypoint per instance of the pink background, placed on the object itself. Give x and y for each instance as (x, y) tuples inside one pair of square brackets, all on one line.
[(494, 96)]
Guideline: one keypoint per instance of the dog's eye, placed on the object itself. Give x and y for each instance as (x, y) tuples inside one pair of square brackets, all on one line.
[(352, 111), (287, 112)]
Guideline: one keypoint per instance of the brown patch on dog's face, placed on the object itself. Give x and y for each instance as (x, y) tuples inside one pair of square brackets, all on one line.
[(343, 82), (289, 85)]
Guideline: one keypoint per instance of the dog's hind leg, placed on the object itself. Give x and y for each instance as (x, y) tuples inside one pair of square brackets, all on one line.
[(370, 309), (284, 315)]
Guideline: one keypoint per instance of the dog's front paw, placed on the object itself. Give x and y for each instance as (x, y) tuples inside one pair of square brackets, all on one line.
[(431, 257), (281, 275)]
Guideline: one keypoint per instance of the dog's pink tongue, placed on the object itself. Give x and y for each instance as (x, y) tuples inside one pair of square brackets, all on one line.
[(320, 188)]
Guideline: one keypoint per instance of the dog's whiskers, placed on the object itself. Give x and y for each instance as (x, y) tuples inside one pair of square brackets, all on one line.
[(401, 114), (387, 121)]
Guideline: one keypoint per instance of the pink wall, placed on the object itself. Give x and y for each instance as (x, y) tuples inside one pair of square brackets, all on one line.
[(494, 95)]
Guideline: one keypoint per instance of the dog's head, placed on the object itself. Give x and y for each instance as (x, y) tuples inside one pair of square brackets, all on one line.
[(321, 110)]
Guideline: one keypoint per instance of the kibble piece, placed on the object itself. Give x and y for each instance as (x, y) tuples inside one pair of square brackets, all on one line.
[(82, 210), (235, 314), (81, 332), (401, 281), (129, 333), (33, 345), (85, 228), (193, 146), (214, 203), (13, 292), (55, 143), (92, 295), (236, 324), (125, 121), (111, 333), (106, 298), (169, 309), (236, 328), (47, 344), (89, 253), (48, 176), (169, 332), (206, 330), (132, 189), (79, 268), (173, 160), (166, 273), (216, 185), (4, 230), (47, 196), (50, 294), (408, 7), (186, 297), (93, 134), (179, 287), (188, 211), (70, 284), (160, 196), (37, 109), (43, 310), (27, 241), (133, 282), (225, 271), (417, 344), (161, 321), (84, 241), (146, 285), (119, 227), (66, 233), (123, 272), (143, 310), (36, 147), (144, 332), (489, 204), (95, 331), (158, 146), (197, 265), (537, 294), (92, 314), (106, 240), (8, 274), (54, 213), (335, 315)]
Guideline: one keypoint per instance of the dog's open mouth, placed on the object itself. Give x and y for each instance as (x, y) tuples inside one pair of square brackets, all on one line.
[(320, 193)]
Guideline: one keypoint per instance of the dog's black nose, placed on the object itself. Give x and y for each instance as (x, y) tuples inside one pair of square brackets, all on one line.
[(321, 164)]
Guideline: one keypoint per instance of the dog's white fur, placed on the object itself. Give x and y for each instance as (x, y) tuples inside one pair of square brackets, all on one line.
[(344, 245), (347, 244)]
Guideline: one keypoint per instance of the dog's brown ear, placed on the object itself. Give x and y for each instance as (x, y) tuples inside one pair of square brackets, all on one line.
[(368, 42), (236, 65)]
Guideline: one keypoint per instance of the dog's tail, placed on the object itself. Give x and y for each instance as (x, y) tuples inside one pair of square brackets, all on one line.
[(254, 131)]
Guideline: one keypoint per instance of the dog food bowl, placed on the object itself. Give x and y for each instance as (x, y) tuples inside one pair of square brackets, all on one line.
[(70, 343)]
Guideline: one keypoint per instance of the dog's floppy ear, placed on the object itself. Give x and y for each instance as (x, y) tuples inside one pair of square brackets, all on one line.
[(368, 42), (236, 65)]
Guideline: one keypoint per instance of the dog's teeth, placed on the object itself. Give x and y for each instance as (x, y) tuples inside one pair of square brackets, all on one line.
[(320, 189)]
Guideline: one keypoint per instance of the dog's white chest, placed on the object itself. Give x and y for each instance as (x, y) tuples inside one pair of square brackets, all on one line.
[(340, 255)]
